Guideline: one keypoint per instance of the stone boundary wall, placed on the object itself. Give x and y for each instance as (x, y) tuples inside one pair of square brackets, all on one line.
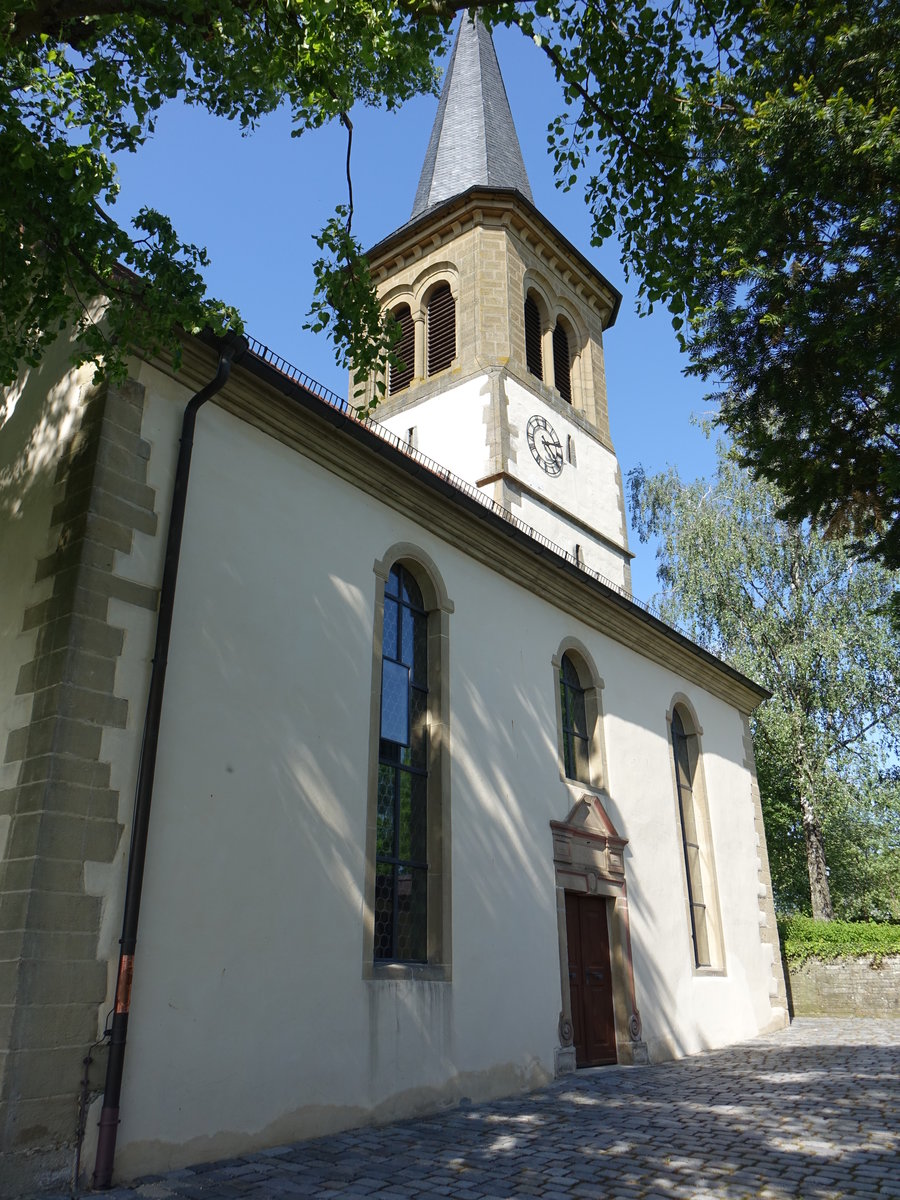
[(846, 987)]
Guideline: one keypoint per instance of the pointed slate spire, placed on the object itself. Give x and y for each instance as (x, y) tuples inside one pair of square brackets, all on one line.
[(473, 141)]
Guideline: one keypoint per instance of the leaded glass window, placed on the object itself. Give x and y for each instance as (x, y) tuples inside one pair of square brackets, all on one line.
[(684, 777), (401, 862), (576, 742)]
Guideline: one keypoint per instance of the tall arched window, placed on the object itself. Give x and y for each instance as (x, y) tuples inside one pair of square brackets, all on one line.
[(401, 377), (562, 368), (401, 862), (533, 356), (441, 329), (406, 932), (686, 757), (576, 737)]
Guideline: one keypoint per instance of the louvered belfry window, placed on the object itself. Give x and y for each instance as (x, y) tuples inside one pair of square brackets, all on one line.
[(405, 349), (441, 329), (561, 367), (533, 359)]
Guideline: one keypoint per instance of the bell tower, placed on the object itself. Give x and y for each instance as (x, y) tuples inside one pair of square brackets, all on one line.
[(502, 324)]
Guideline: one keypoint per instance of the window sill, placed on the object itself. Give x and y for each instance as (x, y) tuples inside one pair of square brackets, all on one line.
[(443, 372), (710, 972), (579, 789), (417, 972)]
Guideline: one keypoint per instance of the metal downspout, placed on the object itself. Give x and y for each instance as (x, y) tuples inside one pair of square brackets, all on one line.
[(143, 794)]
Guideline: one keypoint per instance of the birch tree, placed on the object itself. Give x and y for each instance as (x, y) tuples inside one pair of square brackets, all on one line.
[(802, 615)]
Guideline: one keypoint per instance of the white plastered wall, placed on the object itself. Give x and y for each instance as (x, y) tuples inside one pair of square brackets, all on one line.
[(589, 490), (251, 1022), (452, 427), (595, 554)]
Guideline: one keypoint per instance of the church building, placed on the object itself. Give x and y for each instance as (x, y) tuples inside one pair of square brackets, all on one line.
[(429, 809)]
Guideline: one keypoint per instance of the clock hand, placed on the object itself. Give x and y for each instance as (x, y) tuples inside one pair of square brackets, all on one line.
[(552, 450)]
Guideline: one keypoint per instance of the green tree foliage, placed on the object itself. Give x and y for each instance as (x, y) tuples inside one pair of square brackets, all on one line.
[(799, 317), (748, 157), (807, 618), (84, 79), (745, 153)]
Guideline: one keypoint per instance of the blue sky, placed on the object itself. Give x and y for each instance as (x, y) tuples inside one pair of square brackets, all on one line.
[(256, 202)]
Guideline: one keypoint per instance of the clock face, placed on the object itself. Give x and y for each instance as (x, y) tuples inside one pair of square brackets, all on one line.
[(544, 444)]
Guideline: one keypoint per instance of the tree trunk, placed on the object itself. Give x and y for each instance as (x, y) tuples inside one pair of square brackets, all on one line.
[(819, 891)]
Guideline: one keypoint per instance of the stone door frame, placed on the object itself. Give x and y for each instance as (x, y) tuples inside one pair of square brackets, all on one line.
[(589, 859)]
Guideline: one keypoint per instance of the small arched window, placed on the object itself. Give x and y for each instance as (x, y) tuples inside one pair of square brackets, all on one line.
[(562, 368), (401, 377), (686, 753), (582, 757), (533, 357), (441, 321), (576, 736), (401, 856)]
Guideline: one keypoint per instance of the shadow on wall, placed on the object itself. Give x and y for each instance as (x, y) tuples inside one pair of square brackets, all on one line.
[(502, 844), (305, 800), (267, 713), (36, 425)]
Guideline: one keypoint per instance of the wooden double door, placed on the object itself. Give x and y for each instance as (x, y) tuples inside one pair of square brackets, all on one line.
[(590, 980)]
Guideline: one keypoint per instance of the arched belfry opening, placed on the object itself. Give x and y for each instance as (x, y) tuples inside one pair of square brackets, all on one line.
[(562, 362), (400, 376), (441, 329), (534, 357)]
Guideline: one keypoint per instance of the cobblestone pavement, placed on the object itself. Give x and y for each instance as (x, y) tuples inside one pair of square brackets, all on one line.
[(811, 1112)]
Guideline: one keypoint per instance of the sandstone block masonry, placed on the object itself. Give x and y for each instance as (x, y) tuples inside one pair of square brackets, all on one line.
[(63, 813), (846, 987), (768, 926)]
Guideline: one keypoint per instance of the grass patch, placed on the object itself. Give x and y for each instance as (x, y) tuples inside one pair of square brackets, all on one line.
[(803, 938)]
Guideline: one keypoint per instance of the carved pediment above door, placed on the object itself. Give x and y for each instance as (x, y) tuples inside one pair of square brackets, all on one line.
[(588, 839)]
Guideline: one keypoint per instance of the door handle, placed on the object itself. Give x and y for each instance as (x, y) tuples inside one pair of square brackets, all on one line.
[(596, 976)]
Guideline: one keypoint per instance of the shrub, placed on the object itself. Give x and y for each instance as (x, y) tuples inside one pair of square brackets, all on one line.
[(803, 938)]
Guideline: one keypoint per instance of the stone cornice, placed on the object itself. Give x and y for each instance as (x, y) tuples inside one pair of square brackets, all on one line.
[(497, 208), (515, 481)]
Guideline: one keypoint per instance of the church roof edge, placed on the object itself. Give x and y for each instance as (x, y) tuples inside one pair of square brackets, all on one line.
[(299, 388)]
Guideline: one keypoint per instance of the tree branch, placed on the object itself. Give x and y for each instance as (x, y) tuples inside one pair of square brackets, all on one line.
[(348, 125), (55, 16), (588, 100)]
